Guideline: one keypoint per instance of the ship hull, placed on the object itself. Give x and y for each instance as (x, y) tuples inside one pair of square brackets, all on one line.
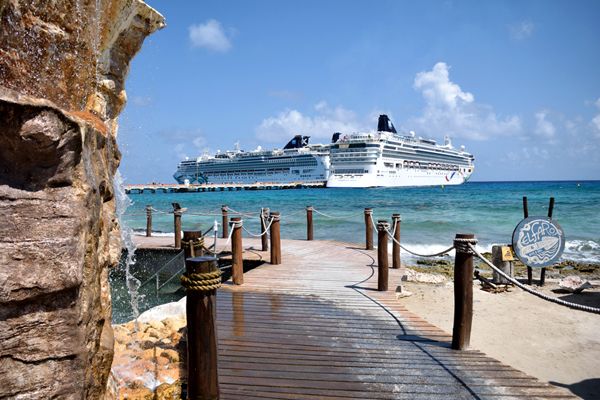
[(399, 179)]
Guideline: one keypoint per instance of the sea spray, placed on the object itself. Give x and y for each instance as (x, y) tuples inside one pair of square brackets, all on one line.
[(131, 282)]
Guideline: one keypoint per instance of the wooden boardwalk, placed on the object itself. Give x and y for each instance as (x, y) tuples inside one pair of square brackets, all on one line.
[(315, 327)]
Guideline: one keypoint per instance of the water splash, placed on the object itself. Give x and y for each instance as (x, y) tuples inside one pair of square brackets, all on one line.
[(133, 284)]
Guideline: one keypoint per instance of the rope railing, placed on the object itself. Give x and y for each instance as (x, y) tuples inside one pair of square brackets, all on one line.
[(530, 290), (266, 231), (343, 217), (245, 214), (234, 225), (391, 235)]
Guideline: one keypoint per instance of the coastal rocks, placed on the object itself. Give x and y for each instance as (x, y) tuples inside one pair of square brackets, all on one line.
[(58, 157), (574, 284), (150, 354), (422, 277), (150, 359)]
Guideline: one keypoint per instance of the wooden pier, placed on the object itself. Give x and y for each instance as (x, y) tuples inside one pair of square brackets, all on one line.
[(211, 187), (315, 326)]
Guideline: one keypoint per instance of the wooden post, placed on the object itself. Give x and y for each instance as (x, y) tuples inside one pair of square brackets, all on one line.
[(382, 255), (543, 271), (525, 215), (264, 215), (190, 248), (275, 239), (148, 220), (368, 229), (201, 309), (463, 293), (396, 220), (177, 213), (309, 223), (237, 266), (505, 266), (225, 223)]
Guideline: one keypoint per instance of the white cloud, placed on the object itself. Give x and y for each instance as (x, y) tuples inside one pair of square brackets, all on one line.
[(210, 35), (450, 110), (543, 127), (322, 125), (185, 142), (522, 30), (141, 101), (596, 119)]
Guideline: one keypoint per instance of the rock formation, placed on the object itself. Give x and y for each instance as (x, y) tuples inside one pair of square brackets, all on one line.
[(62, 69)]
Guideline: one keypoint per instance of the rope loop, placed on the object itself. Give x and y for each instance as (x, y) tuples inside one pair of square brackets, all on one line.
[(201, 282), (463, 245), (275, 217)]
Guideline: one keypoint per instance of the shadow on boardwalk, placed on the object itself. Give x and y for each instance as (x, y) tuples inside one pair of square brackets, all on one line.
[(315, 327)]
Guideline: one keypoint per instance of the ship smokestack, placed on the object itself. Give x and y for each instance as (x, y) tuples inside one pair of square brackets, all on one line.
[(297, 142), (335, 137), (385, 124)]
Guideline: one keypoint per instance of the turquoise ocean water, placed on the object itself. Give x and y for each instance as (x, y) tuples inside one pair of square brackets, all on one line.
[(431, 216)]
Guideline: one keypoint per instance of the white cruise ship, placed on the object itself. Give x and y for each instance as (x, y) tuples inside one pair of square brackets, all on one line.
[(385, 158), (297, 162)]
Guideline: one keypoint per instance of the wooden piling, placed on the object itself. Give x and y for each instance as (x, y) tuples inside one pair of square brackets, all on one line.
[(368, 229), (274, 217), (505, 266), (382, 255), (203, 380), (237, 266), (190, 244), (396, 220), (264, 239), (148, 220), (550, 212), (463, 293), (309, 223), (177, 213), (225, 222), (525, 215)]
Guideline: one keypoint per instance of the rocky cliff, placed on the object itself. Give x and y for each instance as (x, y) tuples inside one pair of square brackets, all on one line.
[(62, 70)]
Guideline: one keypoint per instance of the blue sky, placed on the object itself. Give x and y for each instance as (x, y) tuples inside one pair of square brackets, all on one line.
[(516, 82)]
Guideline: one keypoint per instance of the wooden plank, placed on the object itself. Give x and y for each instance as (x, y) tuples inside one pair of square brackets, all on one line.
[(314, 326)]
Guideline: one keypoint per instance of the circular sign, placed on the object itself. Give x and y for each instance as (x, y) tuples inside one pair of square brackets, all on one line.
[(538, 241)]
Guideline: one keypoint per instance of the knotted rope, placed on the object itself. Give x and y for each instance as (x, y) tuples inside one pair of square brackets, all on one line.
[(193, 244), (201, 282), (465, 245)]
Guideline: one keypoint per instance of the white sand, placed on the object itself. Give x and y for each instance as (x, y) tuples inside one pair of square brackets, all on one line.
[(545, 340)]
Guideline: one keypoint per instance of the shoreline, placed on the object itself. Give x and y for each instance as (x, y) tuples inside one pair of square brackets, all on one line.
[(550, 342)]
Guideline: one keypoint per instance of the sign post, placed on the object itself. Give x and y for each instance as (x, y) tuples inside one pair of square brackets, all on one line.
[(538, 241)]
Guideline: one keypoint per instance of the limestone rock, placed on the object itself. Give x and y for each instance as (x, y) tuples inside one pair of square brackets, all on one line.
[(62, 70), (146, 365), (422, 277), (574, 284)]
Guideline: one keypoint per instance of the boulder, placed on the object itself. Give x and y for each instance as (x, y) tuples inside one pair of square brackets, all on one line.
[(62, 70)]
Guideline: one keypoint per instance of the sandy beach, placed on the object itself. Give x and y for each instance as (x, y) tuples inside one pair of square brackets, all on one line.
[(548, 341)]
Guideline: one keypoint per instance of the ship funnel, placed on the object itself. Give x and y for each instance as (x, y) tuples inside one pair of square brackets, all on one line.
[(297, 142), (385, 124), (447, 141), (335, 137)]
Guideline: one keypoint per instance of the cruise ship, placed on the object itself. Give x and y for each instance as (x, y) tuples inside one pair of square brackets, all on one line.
[(297, 162), (385, 158)]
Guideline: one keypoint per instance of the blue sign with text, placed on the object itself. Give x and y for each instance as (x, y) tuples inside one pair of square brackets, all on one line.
[(538, 241)]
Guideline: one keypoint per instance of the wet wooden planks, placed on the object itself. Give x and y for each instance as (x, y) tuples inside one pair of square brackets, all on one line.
[(314, 327)]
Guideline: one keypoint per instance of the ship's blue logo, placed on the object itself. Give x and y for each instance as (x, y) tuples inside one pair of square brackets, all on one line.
[(538, 241)]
